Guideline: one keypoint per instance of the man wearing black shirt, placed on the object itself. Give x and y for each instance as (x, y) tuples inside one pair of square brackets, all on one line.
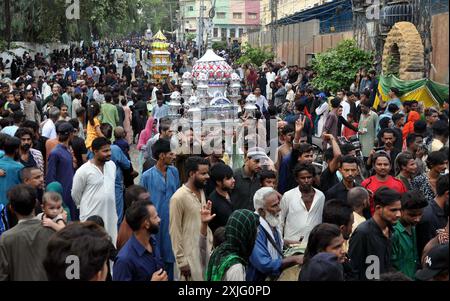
[(332, 156), (247, 179), (435, 215), (127, 72), (370, 244), (348, 169), (399, 121), (78, 144), (222, 175)]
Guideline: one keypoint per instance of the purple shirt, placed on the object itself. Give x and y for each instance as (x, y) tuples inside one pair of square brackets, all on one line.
[(60, 169)]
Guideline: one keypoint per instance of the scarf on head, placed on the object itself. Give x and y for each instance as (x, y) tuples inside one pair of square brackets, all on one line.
[(146, 133), (240, 236), (413, 116)]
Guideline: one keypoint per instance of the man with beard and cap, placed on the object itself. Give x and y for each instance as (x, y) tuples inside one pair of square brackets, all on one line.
[(140, 259), (93, 187), (185, 221), (370, 244), (267, 258)]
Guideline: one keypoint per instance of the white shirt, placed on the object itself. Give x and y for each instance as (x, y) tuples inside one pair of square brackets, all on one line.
[(296, 220), (345, 109), (94, 194), (261, 101), (100, 98), (270, 76), (235, 273), (75, 105), (49, 129), (290, 96), (283, 73), (240, 72), (46, 90)]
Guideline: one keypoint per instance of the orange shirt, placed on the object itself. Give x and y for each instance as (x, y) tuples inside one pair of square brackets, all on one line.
[(91, 132)]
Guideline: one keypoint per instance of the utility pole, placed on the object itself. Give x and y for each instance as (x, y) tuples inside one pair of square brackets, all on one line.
[(200, 28), (182, 7), (8, 19), (211, 15), (171, 17), (273, 22)]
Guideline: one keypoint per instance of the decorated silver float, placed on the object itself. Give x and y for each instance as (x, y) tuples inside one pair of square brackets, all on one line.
[(211, 91)]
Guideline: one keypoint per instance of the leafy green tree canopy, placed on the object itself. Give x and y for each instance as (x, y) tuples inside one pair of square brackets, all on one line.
[(255, 55), (336, 68)]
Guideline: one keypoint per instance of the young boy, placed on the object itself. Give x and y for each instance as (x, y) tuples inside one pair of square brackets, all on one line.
[(268, 178), (120, 141), (287, 136), (405, 256), (53, 215)]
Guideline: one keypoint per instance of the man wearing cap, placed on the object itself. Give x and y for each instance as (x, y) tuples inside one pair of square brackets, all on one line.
[(435, 267), (61, 165), (247, 180)]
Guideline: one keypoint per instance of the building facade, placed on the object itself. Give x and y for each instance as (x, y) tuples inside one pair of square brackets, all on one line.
[(279, 9), (233, 18)]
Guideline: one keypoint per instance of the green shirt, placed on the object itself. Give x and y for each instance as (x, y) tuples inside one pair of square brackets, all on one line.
[(110, 114), (405, 181), (405, 257)]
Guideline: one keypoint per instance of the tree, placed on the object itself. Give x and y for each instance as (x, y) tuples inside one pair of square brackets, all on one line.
[(255, 55), (43, 21), (219, 45), (190, 37), (336, 68), (8, 22)]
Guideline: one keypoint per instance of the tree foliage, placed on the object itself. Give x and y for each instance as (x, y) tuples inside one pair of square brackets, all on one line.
[(43, 21), (190, 36), (219, 45), (255, 55), (336, 68)]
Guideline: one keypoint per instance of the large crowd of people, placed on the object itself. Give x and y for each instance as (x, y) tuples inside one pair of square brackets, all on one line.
[(373, 205)]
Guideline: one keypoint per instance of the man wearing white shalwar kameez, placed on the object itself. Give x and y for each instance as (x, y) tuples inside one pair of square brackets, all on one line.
[(93, 189)]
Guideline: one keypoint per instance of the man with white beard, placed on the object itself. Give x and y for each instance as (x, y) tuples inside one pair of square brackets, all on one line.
[(267, 259)]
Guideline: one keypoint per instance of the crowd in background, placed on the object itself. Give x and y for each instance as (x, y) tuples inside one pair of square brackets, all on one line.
[(375, 185)]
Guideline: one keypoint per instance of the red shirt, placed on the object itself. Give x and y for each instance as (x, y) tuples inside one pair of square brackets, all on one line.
[(372, 184), (347, 133)]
